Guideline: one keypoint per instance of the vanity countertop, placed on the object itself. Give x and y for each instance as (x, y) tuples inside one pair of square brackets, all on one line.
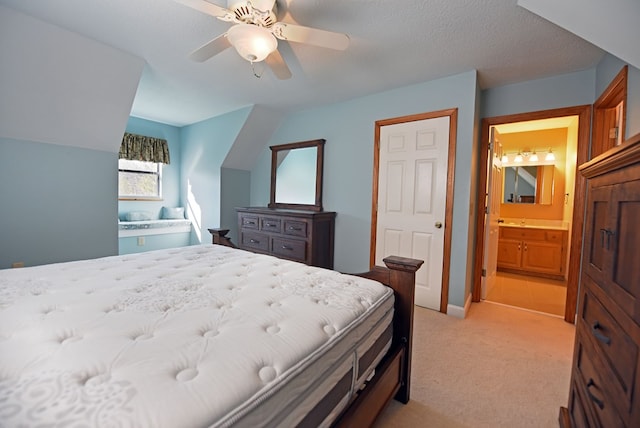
[(562, 226)]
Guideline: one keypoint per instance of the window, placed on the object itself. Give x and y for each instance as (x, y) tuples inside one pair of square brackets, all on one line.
[(139, 180)]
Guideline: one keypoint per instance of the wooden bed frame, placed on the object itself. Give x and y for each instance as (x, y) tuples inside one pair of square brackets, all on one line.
[(393, 374)]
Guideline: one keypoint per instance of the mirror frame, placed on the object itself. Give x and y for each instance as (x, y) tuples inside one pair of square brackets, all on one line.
[(319, 144)]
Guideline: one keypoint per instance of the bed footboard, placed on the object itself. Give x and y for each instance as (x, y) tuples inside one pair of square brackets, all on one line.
[(393, 375)]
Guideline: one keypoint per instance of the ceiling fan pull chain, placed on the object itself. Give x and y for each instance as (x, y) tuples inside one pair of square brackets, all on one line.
[(253, 68)]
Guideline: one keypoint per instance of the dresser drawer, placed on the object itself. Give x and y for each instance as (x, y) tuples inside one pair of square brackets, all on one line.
[(592, 378), (303, 236), (289, 248), (619, 351), (272, 225), (249, 221), (580, 417), (295, 228), (254, 241)]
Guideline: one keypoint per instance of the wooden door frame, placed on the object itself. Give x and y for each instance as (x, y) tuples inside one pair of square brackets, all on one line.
[(579, 194), (448, 216), (614, 94)]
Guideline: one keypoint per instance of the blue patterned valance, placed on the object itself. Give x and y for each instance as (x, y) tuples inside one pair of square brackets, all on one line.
[(141, 148)]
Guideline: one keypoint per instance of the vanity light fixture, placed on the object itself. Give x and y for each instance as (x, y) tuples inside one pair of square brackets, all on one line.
[(533, 157), (550, 156), (518, 158), (505, 158)]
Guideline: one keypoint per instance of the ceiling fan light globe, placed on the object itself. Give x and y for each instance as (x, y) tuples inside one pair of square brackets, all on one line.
[(252, 42)]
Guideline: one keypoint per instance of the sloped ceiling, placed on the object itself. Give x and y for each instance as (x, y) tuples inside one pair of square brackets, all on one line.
[(254, 135), (393, 44), (62, 88), (612, 25)]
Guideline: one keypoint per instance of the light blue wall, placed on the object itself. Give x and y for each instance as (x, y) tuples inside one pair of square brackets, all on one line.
[(349, 130), (566, 90), (129, 245), (607, 69), (235, 188), (59, 203), (204, 147)]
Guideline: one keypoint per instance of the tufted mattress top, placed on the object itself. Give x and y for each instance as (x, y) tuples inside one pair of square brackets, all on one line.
[(190, 337)]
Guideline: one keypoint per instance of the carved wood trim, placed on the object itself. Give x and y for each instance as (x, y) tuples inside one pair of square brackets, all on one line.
[(628, 153)]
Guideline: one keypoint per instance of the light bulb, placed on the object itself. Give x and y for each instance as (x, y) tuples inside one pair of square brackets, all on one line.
[(252, 42)]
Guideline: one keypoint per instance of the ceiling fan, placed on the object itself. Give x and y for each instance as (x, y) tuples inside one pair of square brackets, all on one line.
[(256, 32)]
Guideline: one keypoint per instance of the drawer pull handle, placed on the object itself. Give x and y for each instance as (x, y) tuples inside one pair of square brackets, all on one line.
[(284, 247), (593, 398), (270, 224), (608, 233), (254, 241), (595, 329), (295, 228), (249, 222)]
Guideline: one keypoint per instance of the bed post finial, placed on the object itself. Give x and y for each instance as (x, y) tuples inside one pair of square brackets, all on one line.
[(218, 237)]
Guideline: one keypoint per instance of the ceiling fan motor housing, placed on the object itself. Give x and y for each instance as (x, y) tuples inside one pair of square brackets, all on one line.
[(246, 12)]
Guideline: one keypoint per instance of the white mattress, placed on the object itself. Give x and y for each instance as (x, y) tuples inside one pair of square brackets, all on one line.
[(196, 336)]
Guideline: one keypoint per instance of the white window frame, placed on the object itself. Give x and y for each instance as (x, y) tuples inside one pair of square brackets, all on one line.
[(129, 169)]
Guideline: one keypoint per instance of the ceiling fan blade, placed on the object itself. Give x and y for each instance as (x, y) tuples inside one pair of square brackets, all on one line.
[(278, 66), (206, 7), (311, 36), (210, 49)]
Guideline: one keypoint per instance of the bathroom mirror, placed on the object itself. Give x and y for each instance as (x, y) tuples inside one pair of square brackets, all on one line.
[(528, 184), (296, 175)]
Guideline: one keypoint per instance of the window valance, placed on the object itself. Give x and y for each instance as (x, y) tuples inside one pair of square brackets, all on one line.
[(142, 148)]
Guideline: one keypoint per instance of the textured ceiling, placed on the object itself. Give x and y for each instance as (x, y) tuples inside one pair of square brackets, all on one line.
[(393, 43)]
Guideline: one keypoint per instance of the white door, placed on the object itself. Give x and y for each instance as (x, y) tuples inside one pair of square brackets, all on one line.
[(491, 225), (412, 183)]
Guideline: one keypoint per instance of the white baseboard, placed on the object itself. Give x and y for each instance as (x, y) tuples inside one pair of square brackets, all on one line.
[(459, 312)]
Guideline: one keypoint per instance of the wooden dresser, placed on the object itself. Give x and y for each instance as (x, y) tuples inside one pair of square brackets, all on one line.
[(605, 379), (303, 236)]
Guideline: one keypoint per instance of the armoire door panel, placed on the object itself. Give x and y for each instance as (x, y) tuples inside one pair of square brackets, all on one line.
[(596, 225), (624, 263), (626, 266)]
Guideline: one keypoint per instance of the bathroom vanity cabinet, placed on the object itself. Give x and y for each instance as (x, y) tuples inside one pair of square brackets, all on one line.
[(532, 251)]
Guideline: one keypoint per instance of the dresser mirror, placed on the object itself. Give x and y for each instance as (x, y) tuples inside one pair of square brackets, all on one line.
[(296, 175), (528, 184)]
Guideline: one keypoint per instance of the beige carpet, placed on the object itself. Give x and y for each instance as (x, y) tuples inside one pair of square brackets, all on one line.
[(499, 367)]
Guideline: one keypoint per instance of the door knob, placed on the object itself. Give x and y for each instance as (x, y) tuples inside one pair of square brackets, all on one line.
[(438, 225)]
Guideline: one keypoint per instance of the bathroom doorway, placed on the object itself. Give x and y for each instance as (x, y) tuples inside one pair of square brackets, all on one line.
[(531, 231)]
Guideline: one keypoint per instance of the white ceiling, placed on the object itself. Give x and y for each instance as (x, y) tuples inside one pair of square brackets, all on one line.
[(393, 43)]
